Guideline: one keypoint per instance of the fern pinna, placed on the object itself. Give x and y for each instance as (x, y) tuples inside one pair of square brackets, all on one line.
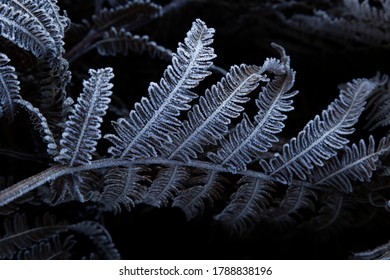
[(177, 146)]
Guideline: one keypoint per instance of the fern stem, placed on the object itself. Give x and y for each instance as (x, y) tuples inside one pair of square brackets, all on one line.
[(19, 189)]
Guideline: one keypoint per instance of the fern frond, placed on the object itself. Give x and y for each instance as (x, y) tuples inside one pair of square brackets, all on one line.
[(203, 191), (332, 214), (247, 205), (208, 121), (360, 22), (82, 130), (28, 22), (154, 119), (381, 252), (9, 88), (99, 237), (356, 164), (379, 106), (53, 100), (84, 184), (19, 236), (129, 15), (47, 15), (26, 32), (122, 187), (296, 200), (40, 124), (365, 11), (166, 185), (52, 10), (51, 249), (321, 137), (250, 139), (115, 42), (47, 12)]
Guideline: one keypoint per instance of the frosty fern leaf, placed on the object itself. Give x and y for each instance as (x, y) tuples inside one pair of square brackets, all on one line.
[(35, 26), (82, 129), (99, 237), (357, 164), (39, 28), (46, 14), (208, 121), (19, 235), (123, 189), (251, 138), (175, 149), (167, 184), (154, 119), (129, 15), (247, 204), (40, 123), (10, 101), (51, 249), (26, 32), (120, 41), (25, 239), (9, 88), (290, 209), (201, 192), (321, 137)]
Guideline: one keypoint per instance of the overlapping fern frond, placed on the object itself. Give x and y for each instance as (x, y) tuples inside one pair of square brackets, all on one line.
[(9, 88), (154, 119)]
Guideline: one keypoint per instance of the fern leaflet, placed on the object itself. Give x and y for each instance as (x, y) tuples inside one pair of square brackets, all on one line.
[(46, 13), (249, 139), (357, 163), (203, 191), (381, 252), (154, 119), (168, 183), (379, 106), (208, 121), (116, 42), (123, 187), (82, 130), (332, 214), (321, 137), (26, 32), (99, 237), (40, 123), (296, 200), (19, 236), (247, 204), (51, 249), (128, 15), (9, 88)]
